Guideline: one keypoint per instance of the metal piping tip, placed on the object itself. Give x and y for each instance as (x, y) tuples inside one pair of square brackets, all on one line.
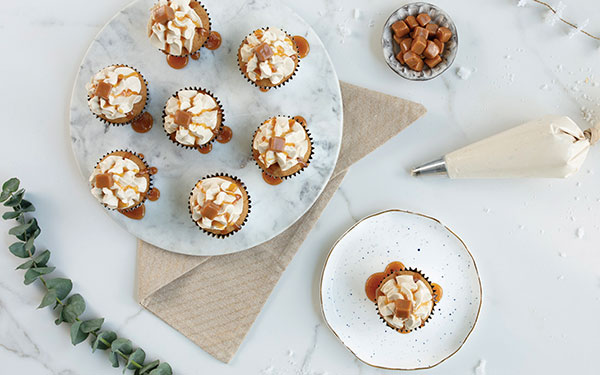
[(434, 167)]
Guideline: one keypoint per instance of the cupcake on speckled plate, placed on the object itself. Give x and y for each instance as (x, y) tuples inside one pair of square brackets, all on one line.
[(193, 118), (121, 181), (268, 58), (282, 146), (219, 205), (406, 299), (117, 94), (178, 27)]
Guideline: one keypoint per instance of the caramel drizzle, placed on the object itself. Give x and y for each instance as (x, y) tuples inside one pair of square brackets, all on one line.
[(291, 122), (125, 93), (138, 173), (182, 30), (229, 191), (213, 130)]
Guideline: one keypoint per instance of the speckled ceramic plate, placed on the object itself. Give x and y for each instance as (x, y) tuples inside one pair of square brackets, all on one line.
[(313, 93), (390, 48), (417, 241)]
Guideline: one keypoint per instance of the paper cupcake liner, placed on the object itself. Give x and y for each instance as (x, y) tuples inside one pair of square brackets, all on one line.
[(150, 181), (107, 122), (242, 186), (310, 156), (164, 115), (415, 270), (280, 84), (203, 44)]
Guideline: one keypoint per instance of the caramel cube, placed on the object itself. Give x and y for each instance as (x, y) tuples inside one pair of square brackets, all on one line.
[(418, 45), (411, 21), (210, 210), (440, 45), (432, 63), (277, 144), (403, 308), (420, 31), (431, 51), (400, 28), (432, 28), (400, 57), (263, 52), (103, 180), (418, 67), (423, 19), (411, 59), (103, 90), (397, 39), (444, 34), (163, 14), (405, 44), (182, 118)]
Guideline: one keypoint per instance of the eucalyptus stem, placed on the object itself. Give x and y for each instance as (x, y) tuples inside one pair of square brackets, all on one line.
[(69, 307)]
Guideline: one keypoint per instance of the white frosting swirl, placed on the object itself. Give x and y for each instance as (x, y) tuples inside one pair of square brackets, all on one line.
[(127, 188), (296, 142), (404, 287), (225, 194), (279, 66), (179, 33), (204, 110), (125, 93)]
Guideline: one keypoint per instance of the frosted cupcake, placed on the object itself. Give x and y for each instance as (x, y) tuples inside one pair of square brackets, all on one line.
[(219, 205), (193, 118), (120, 181), (268, 57), (178, 27), (117, 94), (282, 147), (405, 300)]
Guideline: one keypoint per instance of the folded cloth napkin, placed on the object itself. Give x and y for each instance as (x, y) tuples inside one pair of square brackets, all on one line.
[(185, 291)]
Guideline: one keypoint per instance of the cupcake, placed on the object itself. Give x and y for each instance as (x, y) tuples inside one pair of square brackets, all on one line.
[(193, 118), (405, 300), (268, 57), (117, 94), (282, 147), (121, 181), (178, 27), (219, 205)]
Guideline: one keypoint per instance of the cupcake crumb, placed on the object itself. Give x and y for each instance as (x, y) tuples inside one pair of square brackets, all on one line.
[(464, 73), (356, 13), (480, 369), (561, 277), (562, 254), (580, 232)]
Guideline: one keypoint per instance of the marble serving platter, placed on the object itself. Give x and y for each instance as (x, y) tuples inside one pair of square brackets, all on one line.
[(418, 241), (313, 93)]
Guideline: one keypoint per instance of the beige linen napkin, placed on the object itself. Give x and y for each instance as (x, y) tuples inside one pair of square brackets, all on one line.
[(185, 291)]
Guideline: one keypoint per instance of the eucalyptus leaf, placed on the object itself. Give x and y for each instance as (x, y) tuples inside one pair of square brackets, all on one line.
[(15, 199), (11, 185), (20, 229), (49, 299), (33, 273), (105, 336), (74, 306), (136, 360), (4, 196), (29, 246), (33, 231), (42, 259), (92, 325), (114, 359), (61, 286), (26, 265), (59, 320), (11, 215), (27, 206), (122, 345), (162, 369), (148, 367), (77, 336), (18, 250)]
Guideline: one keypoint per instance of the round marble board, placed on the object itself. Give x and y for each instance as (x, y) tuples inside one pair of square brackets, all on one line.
[(314, 94), (418, 241)]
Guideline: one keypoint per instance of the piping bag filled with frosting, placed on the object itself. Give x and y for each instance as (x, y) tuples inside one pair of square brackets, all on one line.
[(552, 147)]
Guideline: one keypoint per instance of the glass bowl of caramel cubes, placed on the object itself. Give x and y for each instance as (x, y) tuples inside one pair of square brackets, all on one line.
[(419, 41)]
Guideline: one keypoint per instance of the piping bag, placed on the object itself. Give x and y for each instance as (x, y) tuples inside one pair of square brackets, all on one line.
[(553, 146)]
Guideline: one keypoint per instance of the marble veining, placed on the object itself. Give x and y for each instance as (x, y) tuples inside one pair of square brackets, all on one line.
[(313, 93)]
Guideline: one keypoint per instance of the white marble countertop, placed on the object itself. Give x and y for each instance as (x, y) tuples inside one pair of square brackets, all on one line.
[(541, 280)]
